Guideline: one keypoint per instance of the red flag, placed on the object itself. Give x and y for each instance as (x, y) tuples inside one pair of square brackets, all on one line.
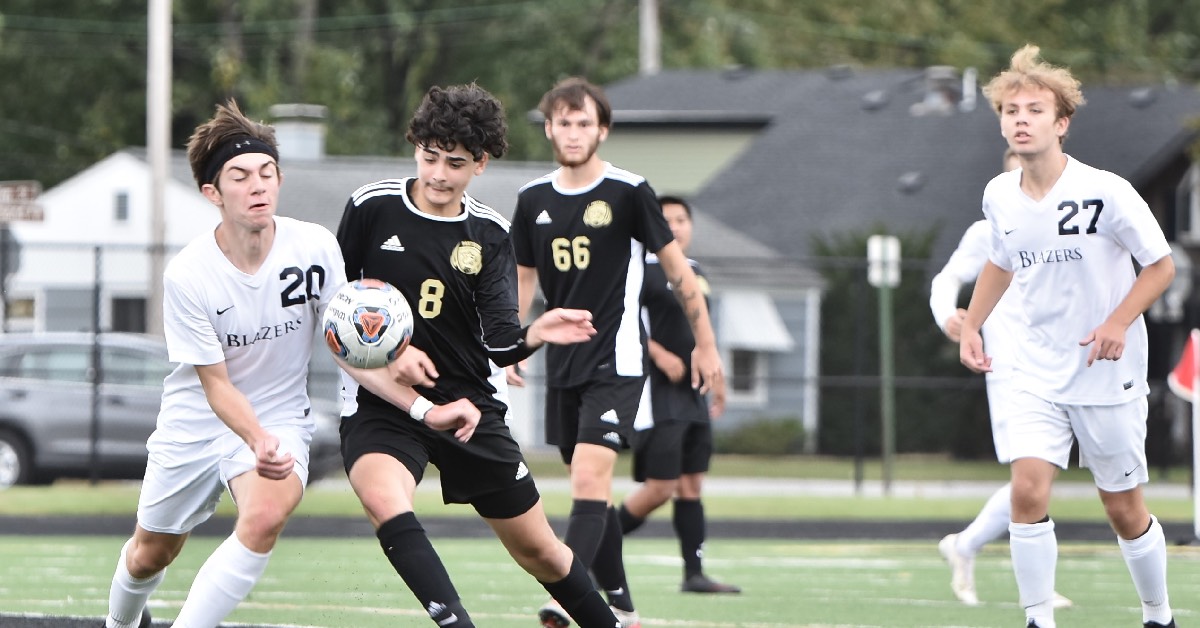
[(1182, 379)]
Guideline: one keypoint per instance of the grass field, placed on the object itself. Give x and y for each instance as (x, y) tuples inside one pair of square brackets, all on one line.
[(344, 583)]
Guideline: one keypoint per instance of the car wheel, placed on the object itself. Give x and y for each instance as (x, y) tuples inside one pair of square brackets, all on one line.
[(15, 464)]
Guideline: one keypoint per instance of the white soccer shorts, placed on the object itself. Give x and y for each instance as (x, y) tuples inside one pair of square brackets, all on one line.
[(184, 481), (1112, 439)]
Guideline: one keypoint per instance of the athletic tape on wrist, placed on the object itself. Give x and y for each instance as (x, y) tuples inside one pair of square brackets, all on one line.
[(419, 408)]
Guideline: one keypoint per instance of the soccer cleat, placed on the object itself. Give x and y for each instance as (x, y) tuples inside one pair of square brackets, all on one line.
[(700, 583), (144, 622), (1154, 624), (552, 615), (962, 570), (628, 619), (1031, 624), (1062, 601)]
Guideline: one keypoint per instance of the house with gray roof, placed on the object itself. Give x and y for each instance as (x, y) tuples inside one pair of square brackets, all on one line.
[(92, 249)]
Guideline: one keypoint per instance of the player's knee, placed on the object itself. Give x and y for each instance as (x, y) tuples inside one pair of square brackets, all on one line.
[(548, 562), (146, 559)]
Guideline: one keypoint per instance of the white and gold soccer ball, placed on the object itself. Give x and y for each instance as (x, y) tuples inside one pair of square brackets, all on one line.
[(368, 323)]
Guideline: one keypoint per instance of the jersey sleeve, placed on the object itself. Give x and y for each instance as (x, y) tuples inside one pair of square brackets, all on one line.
[(496, 302), (1135, 226), (964, 266), (350, 239), (650, 226), (190, 335)]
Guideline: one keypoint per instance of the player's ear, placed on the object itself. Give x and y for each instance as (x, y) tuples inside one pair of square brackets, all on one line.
[(547, 128), (481, 164), (211, 193)]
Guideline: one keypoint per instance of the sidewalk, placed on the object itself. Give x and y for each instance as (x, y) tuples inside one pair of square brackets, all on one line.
[(791, 487)]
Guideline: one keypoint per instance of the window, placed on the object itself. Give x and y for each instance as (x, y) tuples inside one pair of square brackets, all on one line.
[(121, 206), (136, 369), (129, 314), (747, 377)]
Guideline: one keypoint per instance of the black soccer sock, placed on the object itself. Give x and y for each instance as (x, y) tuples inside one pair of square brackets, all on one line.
[(609, 565), (688, 519), (629, 522), (585, 528), (412, 555), (580, 599)]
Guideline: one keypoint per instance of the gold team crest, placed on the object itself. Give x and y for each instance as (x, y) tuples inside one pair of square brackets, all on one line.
[(598, 214), (704, 289), (467, 257)]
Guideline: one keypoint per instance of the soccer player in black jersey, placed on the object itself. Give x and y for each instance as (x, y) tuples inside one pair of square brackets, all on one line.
[(451, 257), (582, 232), (674, 438)]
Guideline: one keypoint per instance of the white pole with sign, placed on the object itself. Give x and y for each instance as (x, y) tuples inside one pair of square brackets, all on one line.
[(883, 272), (18, 203)]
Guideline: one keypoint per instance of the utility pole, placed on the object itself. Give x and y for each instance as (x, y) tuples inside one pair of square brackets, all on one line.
[(649, 38), (158, 151)]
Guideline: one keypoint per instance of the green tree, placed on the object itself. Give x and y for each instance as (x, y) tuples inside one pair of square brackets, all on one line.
[(938, 407)]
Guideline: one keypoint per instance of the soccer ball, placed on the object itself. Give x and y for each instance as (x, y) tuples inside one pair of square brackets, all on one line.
[(368, 323)]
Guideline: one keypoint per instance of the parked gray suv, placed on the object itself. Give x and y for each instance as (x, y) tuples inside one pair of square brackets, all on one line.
[(48, 391)]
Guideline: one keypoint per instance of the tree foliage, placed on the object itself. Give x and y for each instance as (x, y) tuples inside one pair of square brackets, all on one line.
[(936, 407), (74, 70)]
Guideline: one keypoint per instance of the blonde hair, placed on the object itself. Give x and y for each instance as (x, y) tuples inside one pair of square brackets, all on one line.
[(1027, 70)]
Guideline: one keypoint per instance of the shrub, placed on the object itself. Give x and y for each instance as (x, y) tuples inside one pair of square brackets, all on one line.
[(762, 436)]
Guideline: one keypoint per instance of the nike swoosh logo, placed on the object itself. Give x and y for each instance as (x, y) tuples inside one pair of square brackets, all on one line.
[(1008, 231), (449, 620), (617, 591), (1129, 472), (220, 312)]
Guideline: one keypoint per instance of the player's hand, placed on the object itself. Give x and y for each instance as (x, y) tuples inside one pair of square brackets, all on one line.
[(461, 416), (671, 365), (716, 405), (413, 368), (270, 461), (561, 326), (514, 374), (970, 352), (1107, 340), (953, 325), (707, 372)]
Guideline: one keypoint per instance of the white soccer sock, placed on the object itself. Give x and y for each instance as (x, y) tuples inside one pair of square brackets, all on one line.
[(1146, 557), (127, 596), (1034, 550), (990, 524), (222, 582)]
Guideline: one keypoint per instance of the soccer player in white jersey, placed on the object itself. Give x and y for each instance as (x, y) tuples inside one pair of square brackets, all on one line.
[(581, 232), (240, 307), (963, 267), (1064, 233), (451, 257)]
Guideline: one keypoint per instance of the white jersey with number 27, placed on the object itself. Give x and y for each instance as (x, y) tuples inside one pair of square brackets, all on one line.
[(1070, 255)]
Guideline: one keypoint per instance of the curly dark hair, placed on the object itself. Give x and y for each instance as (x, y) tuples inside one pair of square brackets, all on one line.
[(228, 123), (460, 114)]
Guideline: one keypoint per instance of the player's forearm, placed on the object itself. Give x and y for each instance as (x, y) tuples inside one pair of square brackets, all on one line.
[(990, 286), (943, 297), (232, 408), (381, 384), (1147, 288), (526, 285)]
